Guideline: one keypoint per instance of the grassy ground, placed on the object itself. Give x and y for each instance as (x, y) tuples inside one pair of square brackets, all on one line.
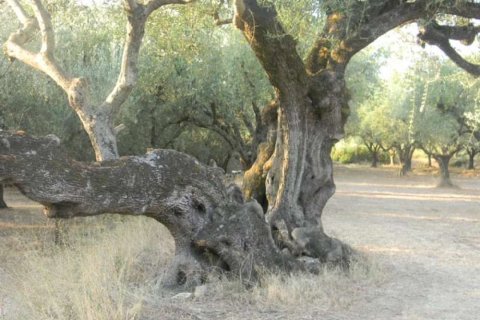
[(421, 249)]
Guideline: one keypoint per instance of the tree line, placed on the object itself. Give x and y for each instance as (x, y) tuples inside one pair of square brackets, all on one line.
[(430, 105)]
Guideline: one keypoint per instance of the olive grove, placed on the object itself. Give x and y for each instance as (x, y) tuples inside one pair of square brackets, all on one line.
[(213, 226)]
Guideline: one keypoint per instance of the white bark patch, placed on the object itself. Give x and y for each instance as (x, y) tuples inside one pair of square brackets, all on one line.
[(151, 159)]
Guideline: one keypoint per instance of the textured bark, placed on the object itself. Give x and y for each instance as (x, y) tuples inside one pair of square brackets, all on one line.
[(254, 178), (3, 205), (212, 228), (443, 161), (310, 119)]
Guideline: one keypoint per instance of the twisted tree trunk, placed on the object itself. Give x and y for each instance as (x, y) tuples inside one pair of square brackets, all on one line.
[(311, 115), (212, 228)]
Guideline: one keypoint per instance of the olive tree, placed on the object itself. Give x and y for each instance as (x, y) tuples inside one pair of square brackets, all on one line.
[(442, 129), (213, 226)]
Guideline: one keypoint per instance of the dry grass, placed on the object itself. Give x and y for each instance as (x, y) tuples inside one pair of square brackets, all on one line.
[(333, 288), (111, 267), (115, 273), (97, 275)]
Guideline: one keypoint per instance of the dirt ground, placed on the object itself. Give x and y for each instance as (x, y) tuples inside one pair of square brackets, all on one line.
[(426, 239), (429, 236)]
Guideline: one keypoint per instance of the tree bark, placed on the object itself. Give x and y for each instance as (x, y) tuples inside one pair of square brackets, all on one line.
[(471, 159), (405, 155), (429, 156), (392, 153), (211, 224), (374, 158), (3, 205), (254, 178), (443, 161), (373, 148)]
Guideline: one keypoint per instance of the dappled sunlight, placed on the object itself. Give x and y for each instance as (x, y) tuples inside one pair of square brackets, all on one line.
[(411, 196), (387, 249), (386, 185), (430, 218)]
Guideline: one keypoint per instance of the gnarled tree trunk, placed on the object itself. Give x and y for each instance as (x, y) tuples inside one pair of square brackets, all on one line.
[(311, 105), (212, 228)]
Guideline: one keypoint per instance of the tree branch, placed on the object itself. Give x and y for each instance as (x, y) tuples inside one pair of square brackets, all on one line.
[(37, 166), (46, 29), (377, 26), (19, 11), (433, 36), (464, 9), (137, 16), (153, 5), (466, 34), (44, 60), (274, 48)]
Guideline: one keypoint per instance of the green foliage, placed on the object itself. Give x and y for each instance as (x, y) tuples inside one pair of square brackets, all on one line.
[(187, 62), (353, 151)]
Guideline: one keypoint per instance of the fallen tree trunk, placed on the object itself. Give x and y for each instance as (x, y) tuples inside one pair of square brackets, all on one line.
[(212, 226)]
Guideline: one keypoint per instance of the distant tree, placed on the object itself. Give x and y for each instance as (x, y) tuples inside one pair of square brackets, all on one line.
[(472, 149), (442, 128), (442, 136), (374, 126)]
